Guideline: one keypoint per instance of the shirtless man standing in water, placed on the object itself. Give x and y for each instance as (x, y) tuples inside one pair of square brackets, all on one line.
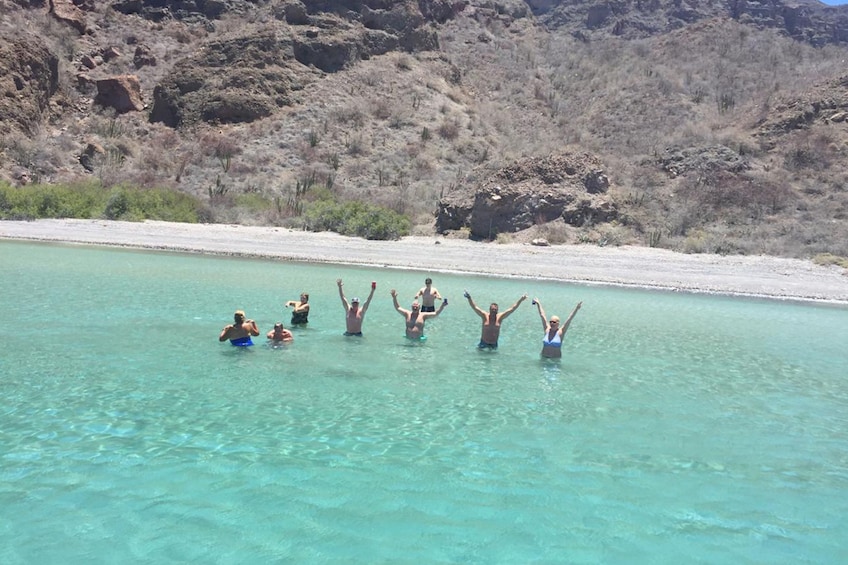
[(492, 321), (416, 317), (353, 313), (428, 294)]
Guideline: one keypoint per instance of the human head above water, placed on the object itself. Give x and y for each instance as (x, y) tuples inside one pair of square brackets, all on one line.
[(239, 316)]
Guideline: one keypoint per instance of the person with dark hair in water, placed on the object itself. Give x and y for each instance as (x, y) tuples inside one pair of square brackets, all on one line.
[(492, 321), (300, 310), (280, 334), (428, 295)]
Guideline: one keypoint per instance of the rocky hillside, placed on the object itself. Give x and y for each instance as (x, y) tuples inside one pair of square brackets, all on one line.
[(699, 126)]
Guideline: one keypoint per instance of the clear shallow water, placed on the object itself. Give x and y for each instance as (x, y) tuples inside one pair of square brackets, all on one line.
[(677, 428)]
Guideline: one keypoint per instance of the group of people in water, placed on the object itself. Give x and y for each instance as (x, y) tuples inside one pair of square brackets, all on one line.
[(241, 331)]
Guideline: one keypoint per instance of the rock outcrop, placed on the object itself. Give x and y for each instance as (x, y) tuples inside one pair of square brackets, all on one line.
[(805, 20), (677, 161), (122, 93), (68, 13), (243, 79), (29, 76), (822, 104), (531, 191), (230, 81)]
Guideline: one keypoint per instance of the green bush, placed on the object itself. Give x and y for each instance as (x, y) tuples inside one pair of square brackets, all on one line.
[(253, 202), (90, 200), (357, 219)]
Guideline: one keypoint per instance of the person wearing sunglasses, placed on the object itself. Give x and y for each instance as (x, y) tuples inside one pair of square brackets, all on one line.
[(554, 331)]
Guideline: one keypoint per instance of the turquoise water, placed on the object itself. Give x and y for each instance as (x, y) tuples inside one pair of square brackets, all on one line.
[(677, 428)]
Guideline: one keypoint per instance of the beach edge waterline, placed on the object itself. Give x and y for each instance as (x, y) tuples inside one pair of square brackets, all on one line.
[(629, 267)]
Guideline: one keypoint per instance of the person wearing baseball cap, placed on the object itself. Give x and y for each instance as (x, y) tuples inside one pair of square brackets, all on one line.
[(353, 312)]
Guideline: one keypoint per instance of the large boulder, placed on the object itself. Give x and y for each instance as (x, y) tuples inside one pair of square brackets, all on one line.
[(531, 191), (68, 13), (123, 93)]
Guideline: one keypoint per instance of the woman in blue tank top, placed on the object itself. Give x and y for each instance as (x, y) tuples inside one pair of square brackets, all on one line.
[(554, 331)]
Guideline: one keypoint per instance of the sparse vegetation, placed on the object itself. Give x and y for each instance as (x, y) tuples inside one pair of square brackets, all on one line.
[(395, 132), (91, 200), (355, 218)]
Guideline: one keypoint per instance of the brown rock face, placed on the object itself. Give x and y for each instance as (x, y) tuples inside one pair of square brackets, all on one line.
[(67, 12), (528, 192), (123, 93), (29, 76), (230, 81)]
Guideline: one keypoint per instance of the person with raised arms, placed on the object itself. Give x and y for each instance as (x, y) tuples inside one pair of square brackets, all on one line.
[(353, 313), (415, 317), (492, 321), (428, 295), (554, 331)]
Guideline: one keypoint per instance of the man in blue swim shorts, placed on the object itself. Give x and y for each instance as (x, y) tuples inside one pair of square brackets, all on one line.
[(491, 321), (239, 331)]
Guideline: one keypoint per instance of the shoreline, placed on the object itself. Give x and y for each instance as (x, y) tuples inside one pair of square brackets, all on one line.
[(629, 267)]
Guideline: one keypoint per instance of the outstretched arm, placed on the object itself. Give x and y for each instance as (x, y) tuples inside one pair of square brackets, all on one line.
[(474, 306), (397, 306), (542, 314), (368, 300), (428, 315), (342, 296), (512, 308), (570, 317)]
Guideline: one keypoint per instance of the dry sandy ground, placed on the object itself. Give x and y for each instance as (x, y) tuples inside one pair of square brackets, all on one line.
[(623, 266)]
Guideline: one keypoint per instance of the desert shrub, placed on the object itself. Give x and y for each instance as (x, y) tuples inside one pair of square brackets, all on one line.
[(704, 241), (90, 200), (136, 204), (555, 232), (449, 129), (356, 218), (254, 202), (830, 259), (723, 190), (51, 201), (221, 147), (118, 205)]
